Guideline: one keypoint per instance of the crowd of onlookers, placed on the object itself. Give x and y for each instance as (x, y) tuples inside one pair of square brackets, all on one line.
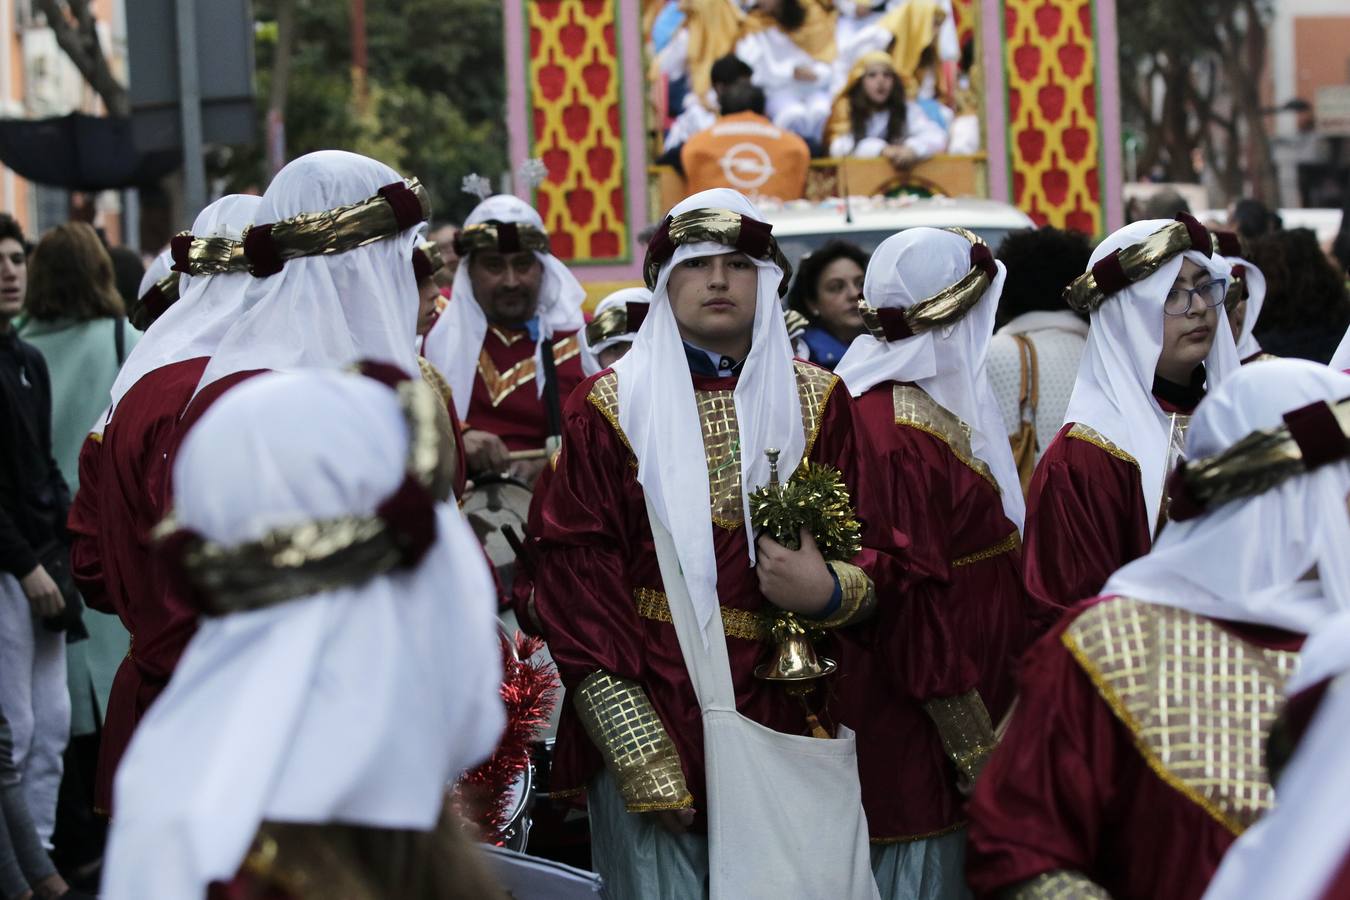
[(63, 336), (803, 78)]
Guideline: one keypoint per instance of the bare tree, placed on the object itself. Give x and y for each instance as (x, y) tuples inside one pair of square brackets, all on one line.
[(73, 23)]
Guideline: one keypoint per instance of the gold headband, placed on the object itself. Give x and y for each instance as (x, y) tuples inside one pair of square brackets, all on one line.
[(394, 208), (501, 237), (1121, 268), (156, 301), (194, 255), (299, 560), (718, 226), (610, 323), (1312, 436), (949, 305)]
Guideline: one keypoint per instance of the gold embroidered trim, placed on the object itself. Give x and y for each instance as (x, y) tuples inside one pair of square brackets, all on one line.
[(1060, 884), (914, 408), (1087, 433), (911, 838), (738, 623), (859, 598), (1007, 545), (445, 425), (966, 730), (721, 447), (96, 437), (624, 726), (501, 385), (1198, 701)]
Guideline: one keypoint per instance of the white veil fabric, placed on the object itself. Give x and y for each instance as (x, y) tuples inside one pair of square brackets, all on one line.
[(1244, 560), (590, 356), (947, 363), (159, 268), (207, 305), (1114, 390), (456, 338), (1247, 345), (1294, 851), (355, 705), (658, 411), (326, 311), (1340, 360)]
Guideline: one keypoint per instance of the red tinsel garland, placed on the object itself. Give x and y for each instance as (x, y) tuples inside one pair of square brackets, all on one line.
[(529, 691)]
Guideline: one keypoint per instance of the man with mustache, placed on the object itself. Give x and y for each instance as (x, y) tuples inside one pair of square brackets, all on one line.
[(508, 341)]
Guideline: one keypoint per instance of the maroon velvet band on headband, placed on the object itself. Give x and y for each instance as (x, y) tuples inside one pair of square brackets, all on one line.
[(261, 251), (407, 208), (660, 248), (982, 259), (1200, 239), (421, 265), (508, 237), (179, 246), (894, 325), (1182, 504), (1110, 274), (1318, 434), (635, 315), (755, 237), (387, 374), (155, 303), (1228, 243)]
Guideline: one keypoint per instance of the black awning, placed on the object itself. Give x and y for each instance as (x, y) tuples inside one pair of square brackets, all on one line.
[(81, 153)]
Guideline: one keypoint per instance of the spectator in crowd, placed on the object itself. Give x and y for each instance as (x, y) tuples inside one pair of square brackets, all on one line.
[(790, 44), (709, 33), (34, 558), (1039, 342), (871, 117), (745, 151), (1307, 308), (128, 270), (444, 236), (1163, 204), (26, 871), (700, 115), (918, 36), (1251, 219), (826, 291)]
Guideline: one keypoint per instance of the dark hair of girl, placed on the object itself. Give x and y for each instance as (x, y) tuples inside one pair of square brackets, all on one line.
[(813, 265), (791, 14), (860, 110)]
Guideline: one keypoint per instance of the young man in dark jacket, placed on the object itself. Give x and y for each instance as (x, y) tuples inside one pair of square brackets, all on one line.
[(33, 503)]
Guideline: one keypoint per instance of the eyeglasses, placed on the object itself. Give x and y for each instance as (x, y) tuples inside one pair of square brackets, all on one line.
[(1179, 300)]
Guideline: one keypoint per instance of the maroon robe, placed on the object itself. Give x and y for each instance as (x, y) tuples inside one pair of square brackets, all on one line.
[(1070, 789), (1086, 517), (958, 621), (597, 553), (126, 495), (506, 400)]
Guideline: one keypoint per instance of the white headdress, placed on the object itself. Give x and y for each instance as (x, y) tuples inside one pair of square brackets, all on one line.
[(207, 304), (1114, 390), (456, 339), (611, 324), (911, 269), (353, 704), (658, 411), (1244, 559), (327, 310)]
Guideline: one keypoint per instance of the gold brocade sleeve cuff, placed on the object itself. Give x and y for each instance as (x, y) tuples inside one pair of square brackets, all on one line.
[(1060, 884), (859, 596), (638, 752), (967, 733)]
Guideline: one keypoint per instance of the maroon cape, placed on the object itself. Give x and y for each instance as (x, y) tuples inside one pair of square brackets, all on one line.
[(1085, 518), (957, 621), (1069, 788), (506, 399), (597, 553)]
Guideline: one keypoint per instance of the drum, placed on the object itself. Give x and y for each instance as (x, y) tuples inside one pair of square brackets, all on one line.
[(493, 502), (519, 801)]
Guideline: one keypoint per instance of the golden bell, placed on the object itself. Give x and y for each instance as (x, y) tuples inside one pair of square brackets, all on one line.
[(795, 660)]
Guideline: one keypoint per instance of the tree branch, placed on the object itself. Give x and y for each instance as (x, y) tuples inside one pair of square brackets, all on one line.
[(79, 40)]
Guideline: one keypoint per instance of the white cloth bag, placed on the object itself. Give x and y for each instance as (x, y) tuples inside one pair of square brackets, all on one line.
[(785, 816)]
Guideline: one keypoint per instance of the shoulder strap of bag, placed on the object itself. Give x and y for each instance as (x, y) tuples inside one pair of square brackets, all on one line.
[(1029, 394), (120, 339)]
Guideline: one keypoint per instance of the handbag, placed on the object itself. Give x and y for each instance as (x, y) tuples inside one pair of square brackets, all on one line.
[(785, 816), (55, 558), (1025, 445)]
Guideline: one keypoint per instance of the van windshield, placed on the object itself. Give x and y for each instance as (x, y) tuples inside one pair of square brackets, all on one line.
[(796, 246)]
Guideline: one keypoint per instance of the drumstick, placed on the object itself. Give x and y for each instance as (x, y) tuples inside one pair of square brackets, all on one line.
[(518, 455)]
